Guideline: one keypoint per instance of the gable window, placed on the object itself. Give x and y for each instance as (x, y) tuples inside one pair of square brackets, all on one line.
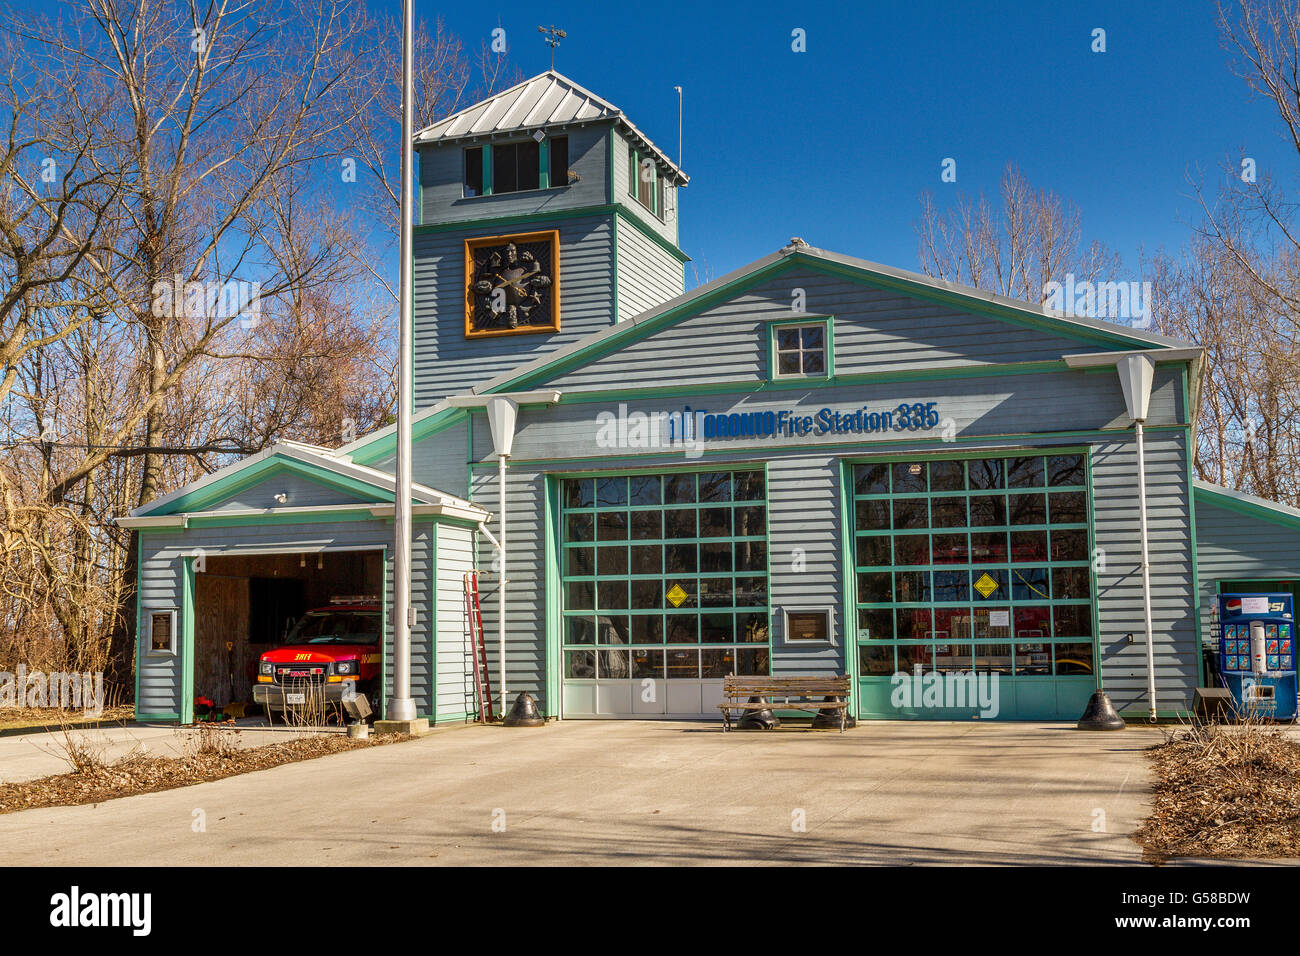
[(516, 167), (644, 184), (801, 349)]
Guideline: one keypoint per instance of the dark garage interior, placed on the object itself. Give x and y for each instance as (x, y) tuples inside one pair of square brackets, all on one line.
[(245, 604)]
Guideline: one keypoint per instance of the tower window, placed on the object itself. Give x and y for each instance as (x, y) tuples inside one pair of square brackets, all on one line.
[(644, 184), (559, 160), (514, 167), (474, 171)]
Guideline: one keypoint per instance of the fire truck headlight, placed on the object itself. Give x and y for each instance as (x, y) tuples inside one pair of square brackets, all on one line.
[(345, 667), (265, 668)]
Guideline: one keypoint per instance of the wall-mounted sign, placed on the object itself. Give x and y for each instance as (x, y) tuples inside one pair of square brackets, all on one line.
[(162, 631), (512, 284), (906, 417)]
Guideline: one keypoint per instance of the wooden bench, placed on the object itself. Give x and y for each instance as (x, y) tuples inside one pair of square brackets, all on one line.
[(786, 693)]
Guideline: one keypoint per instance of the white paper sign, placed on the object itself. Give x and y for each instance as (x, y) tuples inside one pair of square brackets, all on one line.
[(1254, 605), (999, 618)]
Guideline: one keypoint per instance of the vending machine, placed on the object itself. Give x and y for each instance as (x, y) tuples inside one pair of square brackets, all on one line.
[(1257, 653)]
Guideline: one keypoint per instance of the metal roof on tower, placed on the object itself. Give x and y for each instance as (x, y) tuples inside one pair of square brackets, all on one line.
[(546, 101)]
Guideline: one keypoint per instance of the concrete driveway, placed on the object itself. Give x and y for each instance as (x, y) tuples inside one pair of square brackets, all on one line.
[(585, 792)]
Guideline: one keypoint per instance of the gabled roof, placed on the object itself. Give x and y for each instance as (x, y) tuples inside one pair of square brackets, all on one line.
[(1093, 333), (1249, 504), (307, 459), (1096, 331), (547, 100)]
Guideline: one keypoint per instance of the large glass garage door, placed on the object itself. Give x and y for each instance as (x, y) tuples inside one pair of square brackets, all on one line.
[(664, 589), (974, 565)]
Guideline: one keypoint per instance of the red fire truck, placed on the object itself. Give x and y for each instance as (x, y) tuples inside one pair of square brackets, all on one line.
[(330, 654)]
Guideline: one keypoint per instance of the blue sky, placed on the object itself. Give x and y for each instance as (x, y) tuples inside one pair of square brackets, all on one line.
[(836, 144)]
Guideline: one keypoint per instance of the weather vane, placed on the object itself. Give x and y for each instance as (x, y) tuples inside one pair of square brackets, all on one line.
[(553, 37)]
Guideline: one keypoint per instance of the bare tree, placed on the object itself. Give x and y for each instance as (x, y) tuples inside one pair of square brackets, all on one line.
[(1032, 238)]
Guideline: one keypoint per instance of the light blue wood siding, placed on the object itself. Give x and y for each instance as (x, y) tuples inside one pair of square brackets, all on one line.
[(302, 492), (876, 331), (442, 170), (1119, 582), (1232, 546), (526, 590), (805, 559), (648, 275), (455, 649), (665, 226), (447, 363)]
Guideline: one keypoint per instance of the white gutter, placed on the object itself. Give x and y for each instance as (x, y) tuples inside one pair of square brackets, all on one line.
[(502, 410), (152, 521)]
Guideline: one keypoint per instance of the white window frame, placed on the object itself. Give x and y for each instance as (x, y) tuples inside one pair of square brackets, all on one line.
[(824, 609)]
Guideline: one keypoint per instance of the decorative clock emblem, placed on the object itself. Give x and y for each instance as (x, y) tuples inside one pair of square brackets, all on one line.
[(512, 284)]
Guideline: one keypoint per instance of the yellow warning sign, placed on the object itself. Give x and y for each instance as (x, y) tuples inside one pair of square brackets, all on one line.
[(676, 595), (986, 585)]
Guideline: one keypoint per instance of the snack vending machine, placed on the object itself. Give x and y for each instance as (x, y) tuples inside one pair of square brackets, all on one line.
[(1257, 653)]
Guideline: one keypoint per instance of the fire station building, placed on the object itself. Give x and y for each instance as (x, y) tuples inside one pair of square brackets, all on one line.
[(813, 464)]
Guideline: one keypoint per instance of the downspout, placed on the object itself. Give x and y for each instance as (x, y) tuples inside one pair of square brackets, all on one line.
[(1136, 373)]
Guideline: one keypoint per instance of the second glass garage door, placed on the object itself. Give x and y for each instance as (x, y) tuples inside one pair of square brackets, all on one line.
[(664, 590)]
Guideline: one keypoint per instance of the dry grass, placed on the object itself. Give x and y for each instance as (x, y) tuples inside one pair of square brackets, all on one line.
[(212, 754), (1224, 790), (24, 718)]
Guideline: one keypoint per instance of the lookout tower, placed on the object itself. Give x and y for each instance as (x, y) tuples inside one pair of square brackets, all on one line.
[(544, 215)]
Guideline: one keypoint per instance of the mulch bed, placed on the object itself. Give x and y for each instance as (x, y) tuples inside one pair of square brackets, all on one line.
[(214, 756), (1226, 791), (45, 717)]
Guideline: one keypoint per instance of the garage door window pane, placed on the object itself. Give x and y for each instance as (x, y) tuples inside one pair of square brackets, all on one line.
[(647, 629), (579, 493), (646, 663)]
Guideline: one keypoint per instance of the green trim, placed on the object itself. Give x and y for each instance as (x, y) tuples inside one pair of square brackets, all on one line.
[(300, 517), (849, 587), (616, 208), (243, 477), (431, 628), (487, 169), (828, 335), (1216, 499), (544, 163), (913, 446), (552, 609), (187, 640), (1190, 451), (469, 458), (387, 642), (614, 286), (1092, 574), (139, 657)]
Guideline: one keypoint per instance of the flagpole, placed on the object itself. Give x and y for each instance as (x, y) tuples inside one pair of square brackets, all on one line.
[(400, 705)]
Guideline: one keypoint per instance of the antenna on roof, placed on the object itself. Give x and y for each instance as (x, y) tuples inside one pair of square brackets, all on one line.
[(553, 37), (679, 126)]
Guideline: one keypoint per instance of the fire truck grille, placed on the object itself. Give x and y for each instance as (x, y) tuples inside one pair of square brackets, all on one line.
[(300, 675)]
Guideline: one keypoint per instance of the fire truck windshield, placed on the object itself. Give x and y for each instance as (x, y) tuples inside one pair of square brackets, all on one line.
[(336, 627)]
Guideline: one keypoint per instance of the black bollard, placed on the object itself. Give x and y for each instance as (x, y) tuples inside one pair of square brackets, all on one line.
[(524, 713), (1100, 714), (829, 717), (763, 719)]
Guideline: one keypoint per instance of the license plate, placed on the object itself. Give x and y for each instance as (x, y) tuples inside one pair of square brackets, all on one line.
[(295, 698)]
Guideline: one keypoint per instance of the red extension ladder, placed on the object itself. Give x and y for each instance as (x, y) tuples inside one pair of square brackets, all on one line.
[(474, 617)]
